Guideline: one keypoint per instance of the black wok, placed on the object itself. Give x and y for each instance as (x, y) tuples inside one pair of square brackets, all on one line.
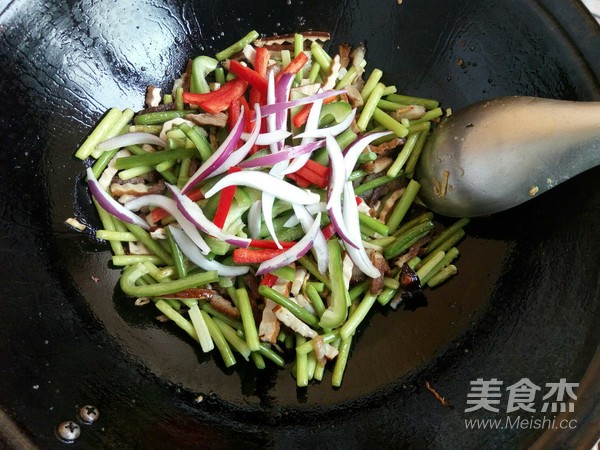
[(526, 303)]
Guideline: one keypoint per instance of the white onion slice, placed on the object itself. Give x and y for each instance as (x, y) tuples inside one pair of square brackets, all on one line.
[(267, 183), (170, 206), (189, 249), (272, 108), (312, 209), (110, 205), (358, 255), (338, 171), (312, 123), (335, 189), (272, 137), (127, 139), (111, 170), (267, 201), (333, 130), (254, 219), (319, 248), (192, 212), (354, 150), (292, 254), (219, 156)]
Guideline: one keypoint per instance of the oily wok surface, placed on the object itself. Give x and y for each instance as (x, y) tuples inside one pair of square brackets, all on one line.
[(525, 302)]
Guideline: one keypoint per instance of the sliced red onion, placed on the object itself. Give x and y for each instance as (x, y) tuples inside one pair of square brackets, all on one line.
[(319, 248), (170, 206), (272, 137), (283, 86), (238, 155), (266, 183), (272, 108), (110, 205), (335, 189), (282, 93), (254, 219), (333, 130), (127, 139), (335, 214), (354, 150), (358, 255), (284, 155), (192, 212), (219, 156), (312, 123), (293, 253), (189, 249)]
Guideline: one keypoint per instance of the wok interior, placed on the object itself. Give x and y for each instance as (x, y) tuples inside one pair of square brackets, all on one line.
[(524, 305)]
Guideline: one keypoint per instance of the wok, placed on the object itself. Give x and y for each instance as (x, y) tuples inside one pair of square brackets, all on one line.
[(525, 304)]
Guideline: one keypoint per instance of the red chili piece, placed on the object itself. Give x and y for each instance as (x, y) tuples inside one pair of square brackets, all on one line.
[(219, 100), (225, 200)]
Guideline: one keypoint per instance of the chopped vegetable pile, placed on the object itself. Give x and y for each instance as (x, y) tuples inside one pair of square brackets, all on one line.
[(266, 204)]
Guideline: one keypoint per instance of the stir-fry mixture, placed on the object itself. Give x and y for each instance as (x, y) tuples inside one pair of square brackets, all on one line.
[(266, 205)]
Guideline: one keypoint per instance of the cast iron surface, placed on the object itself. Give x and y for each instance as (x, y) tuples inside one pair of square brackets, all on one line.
[(526, 302)]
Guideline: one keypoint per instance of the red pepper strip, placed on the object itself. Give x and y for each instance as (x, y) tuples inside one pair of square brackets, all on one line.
[(219, 100), (234, 113), (249, 123), (312, 177), (317, 167), (158, 214), (250, 76), (358, 200), (294, 66), (261, 61), (268, 280), (253, 256), (300, 118), (254, 97), (225, 200), (298, 180), (328, 231), (263, 243)]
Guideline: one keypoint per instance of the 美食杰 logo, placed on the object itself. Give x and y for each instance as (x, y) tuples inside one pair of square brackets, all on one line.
[(537, 406)]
